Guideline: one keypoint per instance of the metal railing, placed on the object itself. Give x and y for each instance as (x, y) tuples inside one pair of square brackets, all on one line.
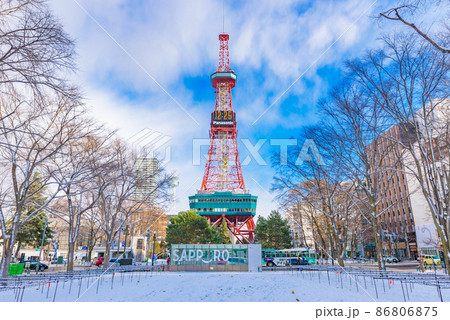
[(17, 284), (360, 278)]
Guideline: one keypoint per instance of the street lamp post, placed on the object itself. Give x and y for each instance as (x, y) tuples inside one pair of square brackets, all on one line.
[(154, 243), (86, 255)]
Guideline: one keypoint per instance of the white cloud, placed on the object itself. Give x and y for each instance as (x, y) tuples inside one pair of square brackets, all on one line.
[(271, 44)]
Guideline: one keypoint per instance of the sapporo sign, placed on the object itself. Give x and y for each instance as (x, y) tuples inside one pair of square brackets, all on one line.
[(197, 255)]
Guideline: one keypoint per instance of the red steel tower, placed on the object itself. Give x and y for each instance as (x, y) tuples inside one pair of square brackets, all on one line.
[(223, 194), (223, 169)]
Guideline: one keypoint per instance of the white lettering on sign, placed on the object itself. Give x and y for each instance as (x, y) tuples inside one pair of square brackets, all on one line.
[(216, 255), (183, 256), (197, 255), (176, 257), (191, 255), (227, 255)]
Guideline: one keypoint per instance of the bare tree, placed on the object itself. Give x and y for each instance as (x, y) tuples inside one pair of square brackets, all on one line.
[(119, 203), (34, 50), (37, 103), (92, 234), (409, 80), (406, 10), (349, 186), (357, 122), (320, 186), (296, 214), (73, 170), (40, 132), (311, 223)]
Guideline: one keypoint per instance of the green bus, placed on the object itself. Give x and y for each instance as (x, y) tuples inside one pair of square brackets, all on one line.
[(284, 257)]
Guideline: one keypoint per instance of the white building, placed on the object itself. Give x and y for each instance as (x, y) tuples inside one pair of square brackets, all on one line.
[(147, 179), (434, 128)]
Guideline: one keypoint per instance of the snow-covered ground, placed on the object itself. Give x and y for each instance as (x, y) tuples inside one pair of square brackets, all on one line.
[(230, 287)]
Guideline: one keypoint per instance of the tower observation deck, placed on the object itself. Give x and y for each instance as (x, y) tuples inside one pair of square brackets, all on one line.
[(222, 194)]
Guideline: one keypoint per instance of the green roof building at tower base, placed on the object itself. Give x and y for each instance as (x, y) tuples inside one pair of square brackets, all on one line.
[(220, 203)]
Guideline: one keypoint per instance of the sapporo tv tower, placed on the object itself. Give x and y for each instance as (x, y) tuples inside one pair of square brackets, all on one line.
[(223, 194)]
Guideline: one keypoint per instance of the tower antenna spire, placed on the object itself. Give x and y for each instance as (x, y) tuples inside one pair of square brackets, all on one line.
[(223, 10)]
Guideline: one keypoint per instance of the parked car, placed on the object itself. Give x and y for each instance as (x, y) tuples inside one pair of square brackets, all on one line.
[(113, 260), (99, 261), (362, 260), (391, 259), (122, 261), (429, 259), (33, 264)]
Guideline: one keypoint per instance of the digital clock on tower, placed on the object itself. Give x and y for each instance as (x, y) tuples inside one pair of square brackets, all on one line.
[(223, 118)]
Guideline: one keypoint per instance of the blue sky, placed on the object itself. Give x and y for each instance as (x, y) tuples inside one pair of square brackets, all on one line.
[(146, 64)]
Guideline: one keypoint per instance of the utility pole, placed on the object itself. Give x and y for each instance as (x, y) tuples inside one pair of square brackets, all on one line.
[(42, 245), (154, 243), (87, 248), (118, 247), (382, 240), (125, 245), (148, 244)]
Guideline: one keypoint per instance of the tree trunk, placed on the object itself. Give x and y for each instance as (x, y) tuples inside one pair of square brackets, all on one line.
[(444, 246), (332, 255), (90, 249), (6, 258), (16, 254), (107, 253), (353, 245), (8, 246), (378, 244), (70, 255), (91, 244), (408, 252)]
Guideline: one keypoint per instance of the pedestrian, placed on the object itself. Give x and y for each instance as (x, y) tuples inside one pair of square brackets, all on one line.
[(168, 260)]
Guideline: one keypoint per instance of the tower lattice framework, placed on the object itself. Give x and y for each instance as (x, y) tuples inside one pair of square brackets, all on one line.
[(223, 168), (223, 171)]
